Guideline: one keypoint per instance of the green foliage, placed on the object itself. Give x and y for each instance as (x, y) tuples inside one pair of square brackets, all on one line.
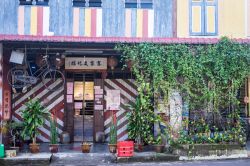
[(33, 117), (200, 133), (15, 129), (158, 140), (53, 131), (113, 132), (207, 76), (141, 118), (204, 74)]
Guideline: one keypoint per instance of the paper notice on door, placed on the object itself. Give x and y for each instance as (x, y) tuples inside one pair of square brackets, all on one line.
[(78, 105), (70, 86), (99, 91), (69, 98), (113, 100), (98, 107)]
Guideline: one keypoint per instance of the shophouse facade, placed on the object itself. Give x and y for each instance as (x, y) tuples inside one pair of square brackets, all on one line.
[(84, 34)]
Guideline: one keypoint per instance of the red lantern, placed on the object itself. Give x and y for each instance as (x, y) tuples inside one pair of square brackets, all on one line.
[(129, 64), (112, 62)]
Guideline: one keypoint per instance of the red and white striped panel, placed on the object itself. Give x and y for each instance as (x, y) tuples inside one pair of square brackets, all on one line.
[(50, 100), (128, 94)]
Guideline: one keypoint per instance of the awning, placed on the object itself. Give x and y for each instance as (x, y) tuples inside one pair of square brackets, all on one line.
[(70, 39)]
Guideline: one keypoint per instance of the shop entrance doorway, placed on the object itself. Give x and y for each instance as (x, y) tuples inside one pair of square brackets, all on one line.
[(83, 107)]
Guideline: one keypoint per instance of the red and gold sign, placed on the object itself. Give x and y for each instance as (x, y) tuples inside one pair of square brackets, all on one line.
[(6, 105)]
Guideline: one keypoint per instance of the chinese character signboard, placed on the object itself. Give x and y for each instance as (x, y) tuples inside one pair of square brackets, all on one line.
[(6, 105), (86, 63), (113, 100)]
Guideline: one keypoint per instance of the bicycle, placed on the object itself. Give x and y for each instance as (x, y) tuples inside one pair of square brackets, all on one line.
[(18, 77)]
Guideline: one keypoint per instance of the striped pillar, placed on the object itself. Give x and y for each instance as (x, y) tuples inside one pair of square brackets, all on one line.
[(128, 91), (50, 100)]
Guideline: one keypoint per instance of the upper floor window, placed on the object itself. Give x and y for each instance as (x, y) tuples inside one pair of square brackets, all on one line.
[(87, 3), (203, 17), (34, 2), (146, 4)]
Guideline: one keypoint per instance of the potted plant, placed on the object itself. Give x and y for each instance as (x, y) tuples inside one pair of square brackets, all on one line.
[(53, 147), (158, 144), (86, 147), (113, 136), (15, 129), (33, 117)]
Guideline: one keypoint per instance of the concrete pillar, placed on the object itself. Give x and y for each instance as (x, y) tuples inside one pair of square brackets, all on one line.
[(175, 111)]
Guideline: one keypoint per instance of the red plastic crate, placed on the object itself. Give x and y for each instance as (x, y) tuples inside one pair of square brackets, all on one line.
[(125, 149)]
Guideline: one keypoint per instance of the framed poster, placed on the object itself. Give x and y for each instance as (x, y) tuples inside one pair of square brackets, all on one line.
[(78, 105), (113, 99), (69, 99), (78, 90)]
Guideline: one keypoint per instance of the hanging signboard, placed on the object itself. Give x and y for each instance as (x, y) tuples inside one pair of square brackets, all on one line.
[(113, 100), (6, 105), (85, 63)]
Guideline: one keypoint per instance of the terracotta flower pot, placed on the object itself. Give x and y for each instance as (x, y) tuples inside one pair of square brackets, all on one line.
[(159, 148), (139, 147), (53, 148), (34, 148), (16, 148), (86, 147), (112, 148)]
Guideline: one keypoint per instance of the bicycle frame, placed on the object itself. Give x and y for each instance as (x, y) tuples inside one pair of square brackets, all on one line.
[(41, 70)]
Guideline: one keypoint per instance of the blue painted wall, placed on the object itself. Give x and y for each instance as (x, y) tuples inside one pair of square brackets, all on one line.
[(8, 16), (113, 21), (163, 18)]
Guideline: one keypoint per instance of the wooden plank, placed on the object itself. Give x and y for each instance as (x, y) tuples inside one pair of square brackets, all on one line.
[(163, 9), (27, 12), (174, 20), (81, 22), (113, 18)]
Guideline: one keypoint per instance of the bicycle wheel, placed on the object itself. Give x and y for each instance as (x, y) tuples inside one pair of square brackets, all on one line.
[(14, 78), (53, 80)]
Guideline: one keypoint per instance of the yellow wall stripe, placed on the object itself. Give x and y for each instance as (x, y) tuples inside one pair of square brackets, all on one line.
[(211, 19), (87, 22), (196, 21), (33, 23), (139, 23)]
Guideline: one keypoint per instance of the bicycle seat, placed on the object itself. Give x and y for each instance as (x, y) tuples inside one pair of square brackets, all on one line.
[(45, 56)]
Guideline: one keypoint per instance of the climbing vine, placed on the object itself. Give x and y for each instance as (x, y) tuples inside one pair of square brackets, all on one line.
[(204, 74), (208, 77)]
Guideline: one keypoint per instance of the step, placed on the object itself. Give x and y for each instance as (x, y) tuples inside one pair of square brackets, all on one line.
[(40, 159)]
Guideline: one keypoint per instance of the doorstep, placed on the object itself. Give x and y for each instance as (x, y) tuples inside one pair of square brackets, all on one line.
[(148, 157), (39, 159)]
